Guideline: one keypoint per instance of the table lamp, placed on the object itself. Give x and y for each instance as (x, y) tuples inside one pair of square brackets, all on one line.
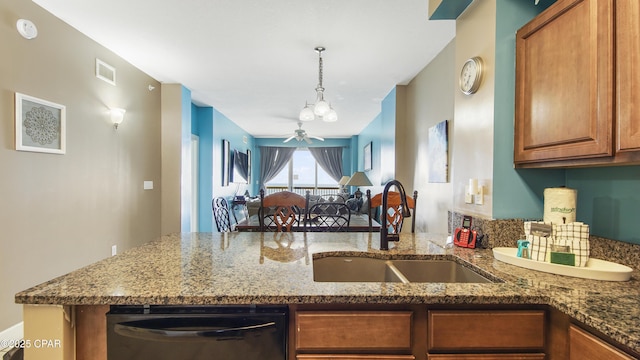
[(358, 179), (343, 182)]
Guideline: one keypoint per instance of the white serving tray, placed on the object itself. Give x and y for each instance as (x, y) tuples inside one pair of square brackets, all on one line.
[(595, 269)]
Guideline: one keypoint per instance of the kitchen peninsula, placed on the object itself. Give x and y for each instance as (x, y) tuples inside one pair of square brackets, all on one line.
[(277, 268)]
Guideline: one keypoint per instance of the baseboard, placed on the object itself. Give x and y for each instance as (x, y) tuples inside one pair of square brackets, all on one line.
[(16, 332)]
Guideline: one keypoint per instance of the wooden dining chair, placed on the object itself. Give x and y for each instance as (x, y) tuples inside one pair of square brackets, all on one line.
[(395, 219), (281, 211)]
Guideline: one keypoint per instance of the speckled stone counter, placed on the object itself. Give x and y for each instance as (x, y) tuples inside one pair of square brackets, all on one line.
[(276, 268)]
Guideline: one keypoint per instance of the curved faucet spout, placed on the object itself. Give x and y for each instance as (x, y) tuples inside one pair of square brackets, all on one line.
[(385, 237)]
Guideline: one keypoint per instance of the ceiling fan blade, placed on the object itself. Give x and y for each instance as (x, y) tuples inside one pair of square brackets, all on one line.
[(317, 138), (289, 138), (306, 138)]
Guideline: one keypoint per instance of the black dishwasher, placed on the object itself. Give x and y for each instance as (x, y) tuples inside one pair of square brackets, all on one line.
[(197, 332)]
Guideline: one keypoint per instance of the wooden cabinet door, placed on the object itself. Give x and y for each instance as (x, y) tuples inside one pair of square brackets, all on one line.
[(628, 75), (564, 83), (486, 357), (450, 331), (354, 357), (355, 331), (583, 345)]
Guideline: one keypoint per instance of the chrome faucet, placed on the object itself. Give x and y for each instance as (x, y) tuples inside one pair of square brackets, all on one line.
[(385, 237)]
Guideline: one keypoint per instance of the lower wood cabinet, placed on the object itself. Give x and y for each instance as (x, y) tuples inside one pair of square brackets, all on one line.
[(355, 357), (481, 330), (353, 330), (583, 345), (487, 357)]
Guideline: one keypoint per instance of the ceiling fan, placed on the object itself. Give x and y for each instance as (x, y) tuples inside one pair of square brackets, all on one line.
[(300, 135)]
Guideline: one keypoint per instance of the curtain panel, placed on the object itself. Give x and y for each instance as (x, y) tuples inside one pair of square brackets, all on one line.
[(272, 161), (329, 159)]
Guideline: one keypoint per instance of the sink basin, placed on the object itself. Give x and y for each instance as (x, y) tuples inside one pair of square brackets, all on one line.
[(361, 269), (354, 269), (443, 271)]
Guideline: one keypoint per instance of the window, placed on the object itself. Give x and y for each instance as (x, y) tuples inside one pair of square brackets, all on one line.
[(303, 173)]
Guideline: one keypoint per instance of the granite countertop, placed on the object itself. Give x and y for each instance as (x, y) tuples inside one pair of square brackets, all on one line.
[(276, 268)]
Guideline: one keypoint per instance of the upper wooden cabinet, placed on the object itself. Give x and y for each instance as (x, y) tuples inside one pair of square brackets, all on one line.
[(628, 77), (576, 79)]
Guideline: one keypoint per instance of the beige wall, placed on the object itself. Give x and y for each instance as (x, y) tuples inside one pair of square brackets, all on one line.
[(472, 155), (429, 100), (171, 157), (61, 212)]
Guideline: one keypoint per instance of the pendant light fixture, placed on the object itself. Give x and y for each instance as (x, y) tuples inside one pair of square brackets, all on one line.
[(320, 109)]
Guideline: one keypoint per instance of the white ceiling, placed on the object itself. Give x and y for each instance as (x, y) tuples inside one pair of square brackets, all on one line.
[(254, 61)]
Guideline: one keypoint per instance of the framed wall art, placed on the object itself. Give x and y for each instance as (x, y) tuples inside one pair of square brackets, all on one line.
[(226, 163), (367, 157), (40, 125), (438, 155)]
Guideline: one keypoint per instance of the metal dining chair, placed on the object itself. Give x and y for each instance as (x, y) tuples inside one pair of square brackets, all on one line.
[(221, 214), (328, 217)]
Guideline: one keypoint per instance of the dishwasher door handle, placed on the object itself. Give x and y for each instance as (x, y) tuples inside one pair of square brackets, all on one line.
[(138, 330)]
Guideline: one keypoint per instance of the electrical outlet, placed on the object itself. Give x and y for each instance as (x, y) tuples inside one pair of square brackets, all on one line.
[(114, 250)]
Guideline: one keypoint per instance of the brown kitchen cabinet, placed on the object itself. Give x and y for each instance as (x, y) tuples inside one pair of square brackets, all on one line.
[(486, 334), (628, 79), (488, 357), (353, 334), (576, 85), (584, 345), (564, 83)]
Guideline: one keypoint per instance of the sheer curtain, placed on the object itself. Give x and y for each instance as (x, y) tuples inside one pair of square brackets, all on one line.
[(329, 159), (272, 161)]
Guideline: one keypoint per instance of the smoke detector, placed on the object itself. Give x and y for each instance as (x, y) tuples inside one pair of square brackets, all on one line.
[(27, 29)]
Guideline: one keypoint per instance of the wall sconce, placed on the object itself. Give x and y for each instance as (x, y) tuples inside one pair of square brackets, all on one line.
[(117, 116)]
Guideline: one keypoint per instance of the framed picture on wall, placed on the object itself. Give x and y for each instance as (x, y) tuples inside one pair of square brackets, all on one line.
[(248, 166), (367, 157), (438, 153), (40, 125), (226, 163)]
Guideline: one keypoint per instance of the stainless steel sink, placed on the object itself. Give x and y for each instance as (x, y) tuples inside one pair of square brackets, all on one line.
[(362, 269), (444, 271), (353, 269)]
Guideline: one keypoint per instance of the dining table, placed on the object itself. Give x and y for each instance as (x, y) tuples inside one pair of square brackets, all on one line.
[(357, 223)]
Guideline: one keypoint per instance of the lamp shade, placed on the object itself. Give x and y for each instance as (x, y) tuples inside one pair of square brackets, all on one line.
[(343, 180), (117, 116), (307, 114), (359, 179)]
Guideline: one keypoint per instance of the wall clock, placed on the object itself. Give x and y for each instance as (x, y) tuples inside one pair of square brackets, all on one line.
[(471, 75)]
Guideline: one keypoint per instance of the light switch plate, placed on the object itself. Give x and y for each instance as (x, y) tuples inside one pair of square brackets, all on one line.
[(468, 198), (148, 185), (479, 197)]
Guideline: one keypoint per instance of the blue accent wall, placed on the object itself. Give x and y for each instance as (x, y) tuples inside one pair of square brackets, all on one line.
[(517, 193), (185, 194), (449, 9), (371, 134), (213, 127), (608, 197), (608, 200)]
